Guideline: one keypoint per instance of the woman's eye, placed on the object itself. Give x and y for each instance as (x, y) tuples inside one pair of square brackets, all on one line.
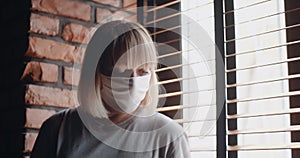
[(142, 72)]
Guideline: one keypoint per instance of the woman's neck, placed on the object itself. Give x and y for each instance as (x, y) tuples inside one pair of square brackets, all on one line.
[(117, 117)]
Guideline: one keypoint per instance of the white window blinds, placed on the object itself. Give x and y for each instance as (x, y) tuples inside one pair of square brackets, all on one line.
[(185, 73), (259, 109)]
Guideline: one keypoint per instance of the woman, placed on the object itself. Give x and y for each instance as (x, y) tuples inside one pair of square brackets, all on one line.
[(117, 94)]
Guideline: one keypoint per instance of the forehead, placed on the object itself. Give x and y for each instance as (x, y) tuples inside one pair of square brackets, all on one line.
[(139, 58)]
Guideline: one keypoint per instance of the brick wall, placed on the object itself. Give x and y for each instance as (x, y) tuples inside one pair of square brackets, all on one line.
[(56, 46)]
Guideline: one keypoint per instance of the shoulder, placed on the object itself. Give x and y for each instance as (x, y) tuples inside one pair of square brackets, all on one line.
[(57, 118), (171, 126), (178, 145), (165, 120), (173, 136), (161, 125), (45, 144)]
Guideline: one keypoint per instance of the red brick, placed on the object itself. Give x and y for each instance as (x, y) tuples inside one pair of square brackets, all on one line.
[(132, 18), (68, 8), (79, 55), (49, 49), (127, 3), (103, 15), (121, 15), (42, 72), (44, 25), (29, 141), (48, 96), (115, 3), (71, 76), (36, 117), (132, 9), (75, 33)]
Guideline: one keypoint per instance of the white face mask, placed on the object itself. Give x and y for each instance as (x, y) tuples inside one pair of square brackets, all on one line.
[(124, 94)]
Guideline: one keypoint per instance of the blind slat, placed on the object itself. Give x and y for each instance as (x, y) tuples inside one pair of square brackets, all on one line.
[(201, 135), (251, 5), (167, 42), (169, 54), (265, 97), (264, 147), (190, 121), (289, 111), (203, 149), (258, 131), (263, 33), (163, 18), (264, 17), (165, 30), (267, 48), (263, 65), (178, 107), (264, 81), (172, 94), (183, 78), (163, 5)]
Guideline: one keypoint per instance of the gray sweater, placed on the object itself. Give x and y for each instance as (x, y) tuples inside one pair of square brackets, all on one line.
[(64, 135)]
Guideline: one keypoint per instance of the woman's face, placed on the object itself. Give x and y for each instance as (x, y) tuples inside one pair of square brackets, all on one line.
[(123, 71)]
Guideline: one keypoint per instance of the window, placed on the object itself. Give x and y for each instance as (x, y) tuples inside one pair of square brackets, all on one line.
[(256, 65), (258, 78), (171, 25), (199, 60)]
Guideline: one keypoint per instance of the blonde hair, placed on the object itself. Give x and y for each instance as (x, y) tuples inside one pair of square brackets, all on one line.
[(113, 43)]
